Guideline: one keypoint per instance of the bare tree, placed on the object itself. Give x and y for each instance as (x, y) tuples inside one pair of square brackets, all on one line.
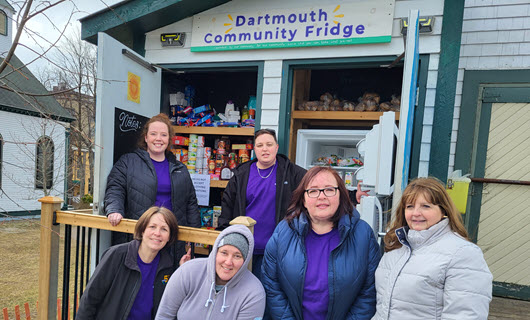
[(75, 69)]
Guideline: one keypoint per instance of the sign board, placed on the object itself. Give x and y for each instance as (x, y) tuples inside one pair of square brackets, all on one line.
[(201, 182), (364, 21), (127, 129)]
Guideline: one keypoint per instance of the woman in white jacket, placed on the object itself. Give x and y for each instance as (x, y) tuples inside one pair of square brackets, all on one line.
[(430, 269)]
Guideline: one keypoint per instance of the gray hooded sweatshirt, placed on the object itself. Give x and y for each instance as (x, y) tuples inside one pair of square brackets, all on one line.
[(190, 292)]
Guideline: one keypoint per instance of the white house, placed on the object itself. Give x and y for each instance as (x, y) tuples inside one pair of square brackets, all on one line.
[(33, 134)]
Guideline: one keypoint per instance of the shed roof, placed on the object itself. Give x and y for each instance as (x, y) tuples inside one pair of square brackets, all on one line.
[(27, 86), (4, 3), (129, 20)]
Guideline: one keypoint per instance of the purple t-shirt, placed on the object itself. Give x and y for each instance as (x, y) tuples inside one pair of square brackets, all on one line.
[(163, 191), (261, 204), (316, 290), (143, 303)]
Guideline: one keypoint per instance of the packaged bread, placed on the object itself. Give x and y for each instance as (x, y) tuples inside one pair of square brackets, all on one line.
[(348, 106)]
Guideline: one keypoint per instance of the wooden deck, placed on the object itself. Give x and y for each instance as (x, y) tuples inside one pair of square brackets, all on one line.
[(509, 309)]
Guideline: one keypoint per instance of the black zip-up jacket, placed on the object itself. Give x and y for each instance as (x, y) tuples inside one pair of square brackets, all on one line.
[(234, 203), (132, 186), (111, 291)]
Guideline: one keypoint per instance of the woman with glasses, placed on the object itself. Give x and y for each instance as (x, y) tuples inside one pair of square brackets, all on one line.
[(320, 261), (261, 189)]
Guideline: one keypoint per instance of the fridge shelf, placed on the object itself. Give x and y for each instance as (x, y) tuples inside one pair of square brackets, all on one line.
[(337, 168), (339, 115)]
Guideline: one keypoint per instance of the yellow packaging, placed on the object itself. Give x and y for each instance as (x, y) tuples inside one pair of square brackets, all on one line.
[(458, 191)]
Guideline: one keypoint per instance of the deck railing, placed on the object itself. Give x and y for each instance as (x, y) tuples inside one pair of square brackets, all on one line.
[(51, 219)]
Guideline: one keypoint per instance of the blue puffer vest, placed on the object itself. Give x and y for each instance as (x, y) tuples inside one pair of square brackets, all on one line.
[(351, 270)]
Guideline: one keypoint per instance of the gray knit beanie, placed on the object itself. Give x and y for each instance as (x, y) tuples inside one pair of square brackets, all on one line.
[(237, 240)]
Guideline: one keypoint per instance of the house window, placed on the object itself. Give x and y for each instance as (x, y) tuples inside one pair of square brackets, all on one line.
[(44, 163), (3, 23)]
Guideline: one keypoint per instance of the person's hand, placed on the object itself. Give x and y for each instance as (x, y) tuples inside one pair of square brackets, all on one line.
[(186, 257), (360, 193), (114, 218)]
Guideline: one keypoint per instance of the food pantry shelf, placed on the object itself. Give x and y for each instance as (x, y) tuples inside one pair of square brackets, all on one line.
[(215, 130), (339, 115)]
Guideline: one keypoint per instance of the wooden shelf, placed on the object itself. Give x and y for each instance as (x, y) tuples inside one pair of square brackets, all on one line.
[(338, 115), (215, 130), (218, 183)]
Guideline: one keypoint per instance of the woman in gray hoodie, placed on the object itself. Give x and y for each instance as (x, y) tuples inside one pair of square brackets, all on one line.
[(218, 287)]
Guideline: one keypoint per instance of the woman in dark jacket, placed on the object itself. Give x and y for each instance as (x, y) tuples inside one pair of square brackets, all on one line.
[(130, 279), (151, 176), (320, 261), (256, 186)]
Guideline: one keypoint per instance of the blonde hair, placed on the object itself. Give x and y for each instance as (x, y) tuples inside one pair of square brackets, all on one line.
[(434, 191)]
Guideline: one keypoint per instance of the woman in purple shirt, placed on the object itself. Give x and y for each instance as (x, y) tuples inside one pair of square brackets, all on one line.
[(130, 279), (151, 176), (320, 261)]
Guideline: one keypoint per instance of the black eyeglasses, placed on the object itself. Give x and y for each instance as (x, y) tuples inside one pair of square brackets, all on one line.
[(328, 192)]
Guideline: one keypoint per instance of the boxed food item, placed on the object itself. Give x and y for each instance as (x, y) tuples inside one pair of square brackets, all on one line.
[(181, 141)]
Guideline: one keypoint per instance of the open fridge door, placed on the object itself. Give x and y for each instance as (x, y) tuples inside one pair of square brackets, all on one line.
[(387, 149), (377, 174), (128, 90)]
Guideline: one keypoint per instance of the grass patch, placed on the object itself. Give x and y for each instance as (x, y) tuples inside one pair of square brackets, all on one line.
[(19, 265)]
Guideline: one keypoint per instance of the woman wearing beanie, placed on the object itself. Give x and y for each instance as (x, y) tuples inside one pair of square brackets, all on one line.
[(217, 287)]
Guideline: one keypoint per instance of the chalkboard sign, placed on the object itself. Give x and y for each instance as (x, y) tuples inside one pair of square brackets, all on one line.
[(127, 129)]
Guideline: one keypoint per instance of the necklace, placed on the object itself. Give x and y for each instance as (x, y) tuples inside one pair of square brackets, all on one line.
[(262, 177)]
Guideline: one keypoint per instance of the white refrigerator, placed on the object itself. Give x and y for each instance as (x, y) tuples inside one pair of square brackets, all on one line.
[(376, 148)]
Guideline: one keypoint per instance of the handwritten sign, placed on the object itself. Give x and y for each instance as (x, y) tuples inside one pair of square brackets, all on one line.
[(201, 182), (127, 129)]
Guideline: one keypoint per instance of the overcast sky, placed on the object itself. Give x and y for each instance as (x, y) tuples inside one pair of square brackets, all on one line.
[(59, 15)]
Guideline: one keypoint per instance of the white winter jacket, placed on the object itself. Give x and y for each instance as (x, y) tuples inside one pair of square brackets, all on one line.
[(436, 274)]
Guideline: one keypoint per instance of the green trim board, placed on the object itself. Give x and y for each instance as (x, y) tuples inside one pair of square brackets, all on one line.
[(127, 18), (446, 88), (227, 67), (34, 113), (510, 290), (289, 66), (294, 44)]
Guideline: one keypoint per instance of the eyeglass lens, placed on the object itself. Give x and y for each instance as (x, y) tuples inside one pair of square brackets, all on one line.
[(315, 193)]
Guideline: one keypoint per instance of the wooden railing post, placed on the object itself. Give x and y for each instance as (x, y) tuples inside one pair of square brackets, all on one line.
[(249, 223), (49, 259)]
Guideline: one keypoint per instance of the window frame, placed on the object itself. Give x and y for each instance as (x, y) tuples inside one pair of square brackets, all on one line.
[(4, 14), (39, 184)]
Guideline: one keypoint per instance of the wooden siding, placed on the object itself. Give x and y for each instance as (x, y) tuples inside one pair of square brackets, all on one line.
[(495, 36), (504, 227)]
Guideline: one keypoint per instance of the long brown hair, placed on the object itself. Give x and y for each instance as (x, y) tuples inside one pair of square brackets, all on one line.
[(296, 207), (169, 217), (162, 117), (434, 192)]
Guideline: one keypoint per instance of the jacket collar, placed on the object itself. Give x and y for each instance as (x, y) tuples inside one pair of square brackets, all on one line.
[(416, 239), (173, 163), (346, 223), (131, 258)]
